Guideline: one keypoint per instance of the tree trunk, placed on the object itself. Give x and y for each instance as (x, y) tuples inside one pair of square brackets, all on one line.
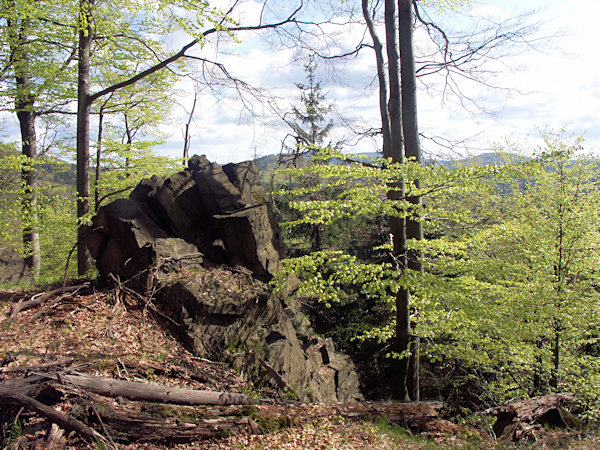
[(24, 107), (132, 423), (520, 419), (31, 241), (555, 358), (83, 133), (410, 129), (129, 144), (187, 137), (396, 193), (316, 238), (57, 417), (383, 91), (98, 160), (149, 392)]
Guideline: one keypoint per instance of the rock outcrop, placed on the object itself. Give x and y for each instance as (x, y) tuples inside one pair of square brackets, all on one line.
[(228, 316), (198, 219), (221, 211), (13, 268)]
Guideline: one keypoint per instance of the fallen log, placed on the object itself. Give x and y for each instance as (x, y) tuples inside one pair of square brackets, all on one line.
[(152, 415), (169, 424), (42, 366), (521, 418), (54, 416), (147, 392), (135, 422), (40, 298)]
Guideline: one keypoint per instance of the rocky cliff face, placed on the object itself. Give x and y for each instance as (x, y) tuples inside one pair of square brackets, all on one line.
[(171, 235)]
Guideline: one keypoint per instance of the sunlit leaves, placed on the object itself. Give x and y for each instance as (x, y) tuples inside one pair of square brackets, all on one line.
[(511, 263), (526, 286), (363, 187)]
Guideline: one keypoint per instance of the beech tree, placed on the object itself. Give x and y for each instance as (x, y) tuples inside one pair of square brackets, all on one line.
[(36, 53), (129, 122), (397, 72), (195, 27), (400, 141), (513, 286)]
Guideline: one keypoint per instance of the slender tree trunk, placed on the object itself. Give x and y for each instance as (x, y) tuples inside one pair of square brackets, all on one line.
[(129, 137), (396, 192), (316, 238), (24, 107), (538, 372), (383, 91), (98, 160), (186, 137), (555, 358), (560, 271), (412, 149), (83, 132), (31, 241)]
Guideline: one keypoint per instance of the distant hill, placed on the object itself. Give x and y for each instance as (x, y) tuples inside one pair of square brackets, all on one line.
[(268, 163), (484, 159), (50, 171)]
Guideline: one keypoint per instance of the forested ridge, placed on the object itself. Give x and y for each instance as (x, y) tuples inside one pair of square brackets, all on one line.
[(452, 296)]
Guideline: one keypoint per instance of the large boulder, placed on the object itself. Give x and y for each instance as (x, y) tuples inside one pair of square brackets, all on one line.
[(228, 316), (220, 211)]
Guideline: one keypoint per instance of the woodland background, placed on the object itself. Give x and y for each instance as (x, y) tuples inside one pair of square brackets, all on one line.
[(484, 269)]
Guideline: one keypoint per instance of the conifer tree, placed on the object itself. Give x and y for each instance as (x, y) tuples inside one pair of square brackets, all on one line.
[(311, 126), (310, 129)]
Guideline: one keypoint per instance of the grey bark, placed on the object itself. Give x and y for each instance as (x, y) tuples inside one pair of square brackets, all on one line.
[(383, 91), (396, 193), (24, 107), (410, 129), (31, 241), (83, 132), (186, 136), (148, 392), (98, 159)]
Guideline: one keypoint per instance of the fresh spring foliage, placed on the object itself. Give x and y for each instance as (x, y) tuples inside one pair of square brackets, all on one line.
[(55, 217), (522, 301), (125, 166), (510, 288)]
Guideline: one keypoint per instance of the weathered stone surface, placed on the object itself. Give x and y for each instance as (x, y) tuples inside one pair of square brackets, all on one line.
[(227, 317), (247, 180), (13, 268), (164, 255), (119, 231), (222, 214)]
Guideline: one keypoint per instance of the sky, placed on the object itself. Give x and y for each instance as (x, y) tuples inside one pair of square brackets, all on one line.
[(552, 83)]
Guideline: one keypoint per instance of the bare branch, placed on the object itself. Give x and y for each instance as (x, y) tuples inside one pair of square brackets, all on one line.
[(182, 53)]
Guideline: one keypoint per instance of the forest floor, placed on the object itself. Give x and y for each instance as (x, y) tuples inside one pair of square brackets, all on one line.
[(106, 333)]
